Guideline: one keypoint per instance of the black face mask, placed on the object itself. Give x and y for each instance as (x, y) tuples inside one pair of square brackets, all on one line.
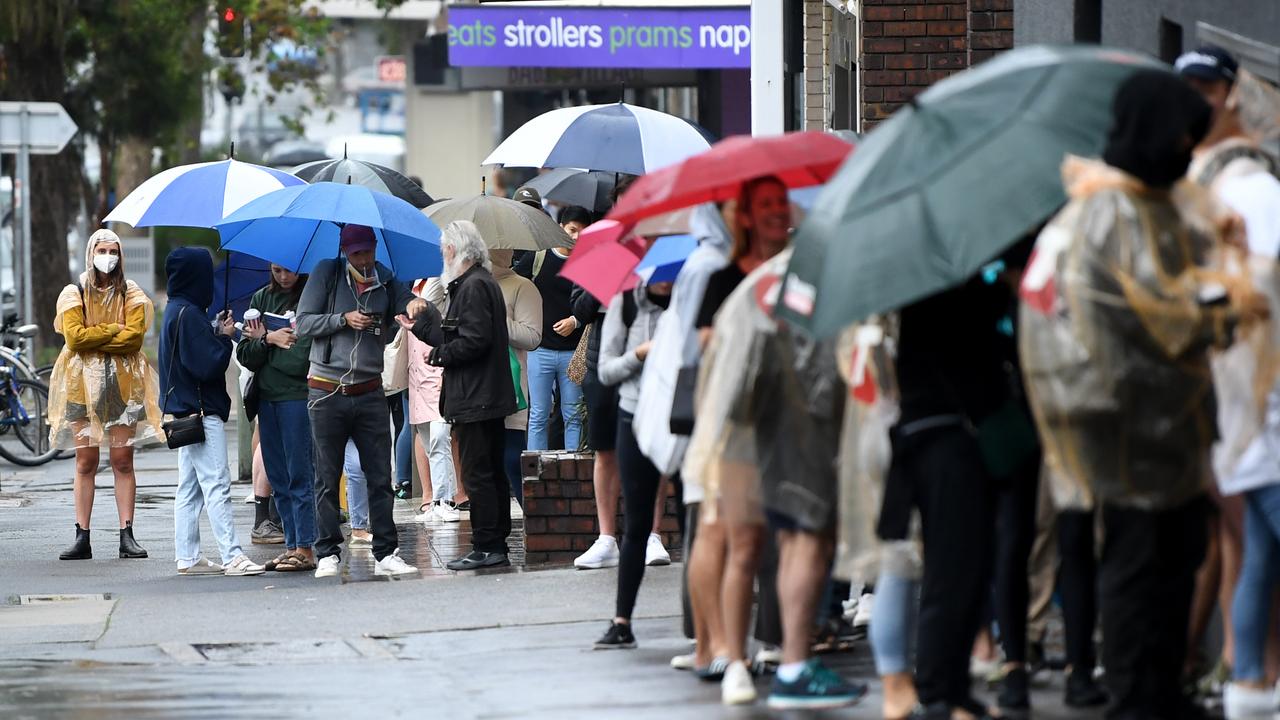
[(1157, 119), (662, 301)]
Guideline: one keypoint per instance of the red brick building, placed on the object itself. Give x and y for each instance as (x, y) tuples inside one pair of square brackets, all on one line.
[(864, 59)]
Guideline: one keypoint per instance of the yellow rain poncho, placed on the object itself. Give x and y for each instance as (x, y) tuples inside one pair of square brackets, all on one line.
[(1116, 329), (103, 390)]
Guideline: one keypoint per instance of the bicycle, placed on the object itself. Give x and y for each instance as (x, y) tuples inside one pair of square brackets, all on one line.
[(24, 420), (13, 338)]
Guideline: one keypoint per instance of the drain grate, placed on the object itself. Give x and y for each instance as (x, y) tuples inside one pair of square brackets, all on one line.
[(48, 599)]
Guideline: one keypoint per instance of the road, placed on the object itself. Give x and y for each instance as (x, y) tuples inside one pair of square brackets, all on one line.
[(110, 638)]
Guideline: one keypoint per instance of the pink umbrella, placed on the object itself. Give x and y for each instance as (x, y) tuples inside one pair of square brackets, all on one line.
[(602, 268)]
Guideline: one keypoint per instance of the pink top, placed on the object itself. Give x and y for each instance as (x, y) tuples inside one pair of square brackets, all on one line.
[(425, 380)]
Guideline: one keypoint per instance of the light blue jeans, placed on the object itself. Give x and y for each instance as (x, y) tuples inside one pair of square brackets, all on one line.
[(435, 438), (357, 488), (549, 369), (1251, 606), (204, 483), (892, 630)]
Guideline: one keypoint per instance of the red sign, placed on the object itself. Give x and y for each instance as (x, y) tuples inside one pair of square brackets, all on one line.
[(391, 69)]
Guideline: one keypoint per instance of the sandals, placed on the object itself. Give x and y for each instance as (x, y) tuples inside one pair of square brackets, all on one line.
[(275, 562), (296, 562)]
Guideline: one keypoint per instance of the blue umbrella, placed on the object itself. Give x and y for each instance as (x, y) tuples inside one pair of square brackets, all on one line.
[(236, 280), (665, 258), (198, 195), (297, 227)]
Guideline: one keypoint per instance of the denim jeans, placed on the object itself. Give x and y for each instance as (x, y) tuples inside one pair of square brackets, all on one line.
[(1251, 607), (892, 630), (284, 432), (514, 448), (335, 419), (204, 483), (548, 369), (357, 488), (435, 438), (404, 446)]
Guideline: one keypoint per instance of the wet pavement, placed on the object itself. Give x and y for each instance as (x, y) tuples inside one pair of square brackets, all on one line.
[(110, 638)]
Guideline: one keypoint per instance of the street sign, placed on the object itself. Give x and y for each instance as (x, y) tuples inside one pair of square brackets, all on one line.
[(49, 131)]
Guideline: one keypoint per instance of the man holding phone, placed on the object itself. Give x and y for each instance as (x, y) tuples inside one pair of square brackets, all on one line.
[(347, 309)]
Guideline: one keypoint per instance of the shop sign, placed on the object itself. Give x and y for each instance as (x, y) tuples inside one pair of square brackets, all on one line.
[(701, 38)]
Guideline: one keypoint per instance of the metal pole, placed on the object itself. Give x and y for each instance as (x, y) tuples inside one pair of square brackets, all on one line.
[(768, 108), (24, 172)]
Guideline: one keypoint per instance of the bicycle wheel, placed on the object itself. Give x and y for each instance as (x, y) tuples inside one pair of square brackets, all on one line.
[(28, 416), (44, 373), (23, 369)]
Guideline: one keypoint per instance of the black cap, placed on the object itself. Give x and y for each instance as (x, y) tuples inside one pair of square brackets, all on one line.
[(529, 196), (1208, 62)]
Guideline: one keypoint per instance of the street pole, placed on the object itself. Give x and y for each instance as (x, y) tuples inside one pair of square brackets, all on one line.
[(768, 106), (24, 175)]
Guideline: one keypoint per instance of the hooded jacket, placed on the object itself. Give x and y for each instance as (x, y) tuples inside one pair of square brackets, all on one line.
[(524, 323), (193, 357), (470, 343)]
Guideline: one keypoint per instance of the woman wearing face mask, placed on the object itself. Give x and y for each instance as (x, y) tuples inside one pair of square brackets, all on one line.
[(103, 391), (624, 344), (280, 361)]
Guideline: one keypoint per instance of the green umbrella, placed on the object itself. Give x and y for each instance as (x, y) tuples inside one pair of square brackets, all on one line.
[(950, 181), (504, 224)]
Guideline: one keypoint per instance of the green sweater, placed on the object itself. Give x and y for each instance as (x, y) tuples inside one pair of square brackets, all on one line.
[(282, 374)]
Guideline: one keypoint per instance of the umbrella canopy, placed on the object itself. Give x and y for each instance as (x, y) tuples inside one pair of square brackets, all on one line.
[(504, 224), (291, 153), (236, 280), (618, 138), (665, 258), (298, 227), (950, 181), (571, 186), (608, 266), (199, 195), (797, 159), (370, 175)]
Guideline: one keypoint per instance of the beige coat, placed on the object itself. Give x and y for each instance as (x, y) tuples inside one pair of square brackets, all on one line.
[(524, 323)]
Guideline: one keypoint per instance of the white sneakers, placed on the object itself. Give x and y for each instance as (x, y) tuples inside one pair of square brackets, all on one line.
[(202, 568), (768, 655), (862, 613), (1242, 703), (655, 553), (242, 566), (737, 687), (603, 553), (364, 539), (684, 662), (328, 567), (393, 565), (438, 511)]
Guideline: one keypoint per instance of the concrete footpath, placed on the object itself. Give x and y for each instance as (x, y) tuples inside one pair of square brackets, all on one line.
[(109, 638)]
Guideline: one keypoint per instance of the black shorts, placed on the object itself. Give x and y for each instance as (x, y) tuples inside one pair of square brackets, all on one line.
[(602, 413)]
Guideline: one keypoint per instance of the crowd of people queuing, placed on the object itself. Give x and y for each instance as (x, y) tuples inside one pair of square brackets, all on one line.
[(1077, 421)]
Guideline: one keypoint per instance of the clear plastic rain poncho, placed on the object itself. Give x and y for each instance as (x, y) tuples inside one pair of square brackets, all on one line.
[(104, 391), (770, 404), (1115, 336)]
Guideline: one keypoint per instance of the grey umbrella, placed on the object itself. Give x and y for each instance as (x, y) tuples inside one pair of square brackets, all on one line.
[(504, 224), (366, 174), (571, 186)]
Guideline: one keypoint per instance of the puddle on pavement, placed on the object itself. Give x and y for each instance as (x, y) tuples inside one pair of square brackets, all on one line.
[(429, 548)]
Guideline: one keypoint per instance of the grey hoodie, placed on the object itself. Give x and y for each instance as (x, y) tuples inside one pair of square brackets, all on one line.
[(339, 353)]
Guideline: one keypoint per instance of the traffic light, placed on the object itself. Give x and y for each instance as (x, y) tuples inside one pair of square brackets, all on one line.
[(231, 22)]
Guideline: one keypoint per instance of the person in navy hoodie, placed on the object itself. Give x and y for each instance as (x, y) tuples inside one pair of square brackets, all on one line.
[(193, 364)]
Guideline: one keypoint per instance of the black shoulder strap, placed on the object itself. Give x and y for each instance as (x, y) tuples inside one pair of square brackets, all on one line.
[(629, 308), (177, 334)]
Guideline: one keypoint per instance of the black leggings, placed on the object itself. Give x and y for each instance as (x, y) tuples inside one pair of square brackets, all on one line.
[(1015, 534), (639, 480), (1077, 575)]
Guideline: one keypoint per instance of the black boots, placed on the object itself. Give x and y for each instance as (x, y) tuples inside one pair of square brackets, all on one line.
[(129, 548), (79, 550)]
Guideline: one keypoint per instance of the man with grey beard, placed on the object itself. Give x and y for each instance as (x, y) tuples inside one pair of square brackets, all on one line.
[(470, 342)]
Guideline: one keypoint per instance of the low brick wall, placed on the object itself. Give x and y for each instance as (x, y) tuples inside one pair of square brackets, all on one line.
[(560, 508)]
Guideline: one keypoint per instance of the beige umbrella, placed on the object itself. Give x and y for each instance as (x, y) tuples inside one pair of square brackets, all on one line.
[(504, 224)]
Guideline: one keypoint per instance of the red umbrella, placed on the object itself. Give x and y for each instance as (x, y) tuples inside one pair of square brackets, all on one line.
[(797, 159)]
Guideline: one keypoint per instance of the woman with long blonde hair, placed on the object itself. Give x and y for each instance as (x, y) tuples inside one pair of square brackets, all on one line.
[(103, 390)]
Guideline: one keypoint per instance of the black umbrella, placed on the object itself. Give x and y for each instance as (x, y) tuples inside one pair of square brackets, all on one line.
[(570, 186), (367, 174)]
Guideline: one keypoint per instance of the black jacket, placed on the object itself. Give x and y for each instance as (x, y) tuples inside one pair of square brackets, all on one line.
[(192, 372), (587, 309), (470, 343)]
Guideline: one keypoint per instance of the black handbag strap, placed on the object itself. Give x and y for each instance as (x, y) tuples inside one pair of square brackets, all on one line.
[(177, 334)]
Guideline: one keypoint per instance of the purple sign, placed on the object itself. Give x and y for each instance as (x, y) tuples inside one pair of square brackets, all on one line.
[(705, 38)]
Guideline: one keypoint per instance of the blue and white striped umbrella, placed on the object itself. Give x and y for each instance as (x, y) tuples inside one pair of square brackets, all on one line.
[(617, 138), (199, 195)]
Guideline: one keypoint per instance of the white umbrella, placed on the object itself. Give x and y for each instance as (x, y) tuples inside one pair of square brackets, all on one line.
[(617, 138), (198, 195)]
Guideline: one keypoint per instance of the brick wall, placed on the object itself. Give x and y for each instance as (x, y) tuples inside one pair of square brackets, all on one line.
[(560, 508), (908, 46), (817, 35), (990, 28)]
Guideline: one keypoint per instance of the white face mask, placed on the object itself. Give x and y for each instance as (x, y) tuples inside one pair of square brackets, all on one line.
[(105, 263)]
